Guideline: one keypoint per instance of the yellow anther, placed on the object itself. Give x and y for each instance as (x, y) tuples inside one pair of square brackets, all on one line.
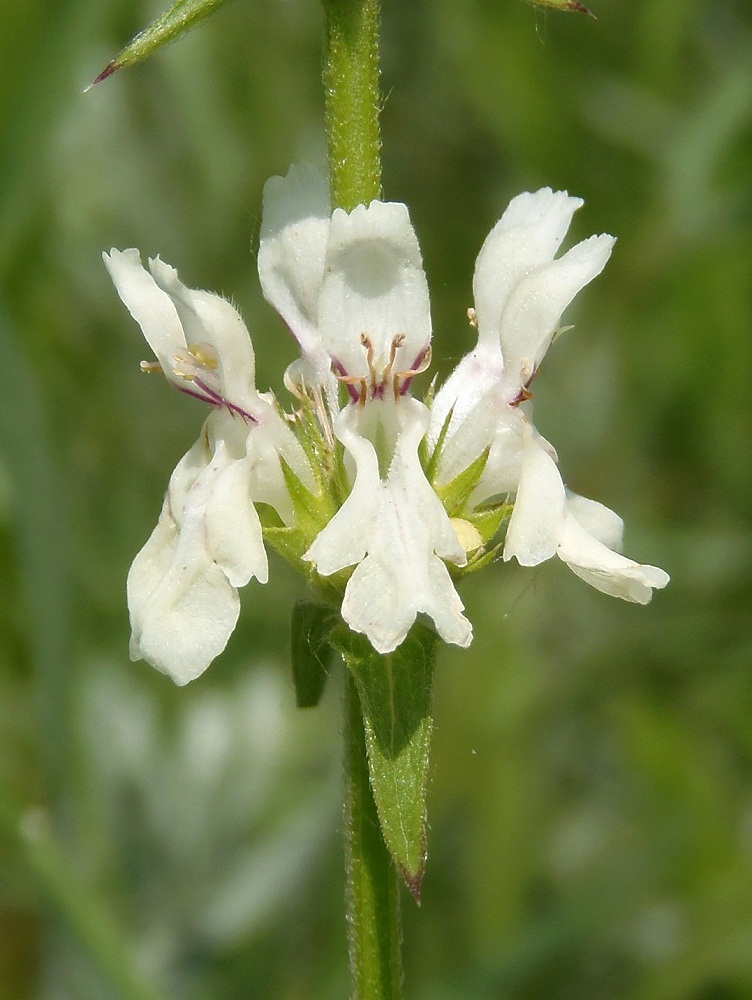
[(469, 537), (151, 367), (205, 354), (472, 316)]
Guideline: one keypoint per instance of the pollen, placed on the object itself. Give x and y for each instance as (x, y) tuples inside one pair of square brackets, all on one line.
[(205, 355)]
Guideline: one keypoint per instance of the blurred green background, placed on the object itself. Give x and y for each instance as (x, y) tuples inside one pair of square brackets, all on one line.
[(591, 799)]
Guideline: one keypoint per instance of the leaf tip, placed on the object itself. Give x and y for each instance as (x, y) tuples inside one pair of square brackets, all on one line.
[(575, 5), (109, 69), (414, 881)]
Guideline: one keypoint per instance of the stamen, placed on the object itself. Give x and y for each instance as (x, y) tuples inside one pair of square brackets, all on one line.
[(397, 342), (184, 366), (205, 354), (522, 396), (366, 342), (293, 388), (473, 317), (151, 367), (377, 382)]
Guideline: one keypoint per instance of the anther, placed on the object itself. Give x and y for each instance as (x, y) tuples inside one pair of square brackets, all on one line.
[(151, 367), (205, 354), (397, 342)]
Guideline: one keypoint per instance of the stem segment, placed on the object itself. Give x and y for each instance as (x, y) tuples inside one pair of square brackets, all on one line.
[(353, 104), (353, 101), (373, 885)]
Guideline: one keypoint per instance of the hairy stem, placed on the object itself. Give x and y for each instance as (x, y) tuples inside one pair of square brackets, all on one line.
[(353, 101), (373, 885)]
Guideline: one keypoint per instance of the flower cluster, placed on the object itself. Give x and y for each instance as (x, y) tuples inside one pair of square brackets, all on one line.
[(384, 501)]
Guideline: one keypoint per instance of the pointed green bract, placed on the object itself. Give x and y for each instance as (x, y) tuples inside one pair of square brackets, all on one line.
[(455, 495), (395, 696), (310, 651), (176, 21)]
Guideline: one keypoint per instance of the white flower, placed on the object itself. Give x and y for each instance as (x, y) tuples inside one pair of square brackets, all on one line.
[(182, 587), (352, 289), (521, 290)]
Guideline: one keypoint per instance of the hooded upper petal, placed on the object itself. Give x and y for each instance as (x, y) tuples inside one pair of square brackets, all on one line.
[(374, 287), (292, 252), (150, 306), (528, 234), (534, 306), (207, 318), (200, 340)]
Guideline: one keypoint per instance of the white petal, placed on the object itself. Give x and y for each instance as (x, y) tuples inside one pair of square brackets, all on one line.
[(276, 441), (473, 395), (527, 235), (233, 529), (537, 520), (395, 529), (344, 541), (598, 520), (504, 466), (208, 318), (188, 622), (535, 304), (374, 285), (294, 234), (147, 570), (183, 608), (152, 309), (605, 570)]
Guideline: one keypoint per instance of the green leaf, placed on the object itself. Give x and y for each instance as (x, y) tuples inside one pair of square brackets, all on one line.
[(395, 697), (180, 18), (310, 651)]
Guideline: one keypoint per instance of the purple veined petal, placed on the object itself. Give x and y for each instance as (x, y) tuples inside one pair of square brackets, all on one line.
[(528, 234), (207, 318), (374, 313)]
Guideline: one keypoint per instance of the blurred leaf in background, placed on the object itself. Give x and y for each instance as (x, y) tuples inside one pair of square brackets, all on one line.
[(591, 800)]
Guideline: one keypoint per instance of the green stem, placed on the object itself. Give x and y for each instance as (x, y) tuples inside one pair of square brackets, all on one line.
[(353, 105), (373, 885), (353, 100)]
